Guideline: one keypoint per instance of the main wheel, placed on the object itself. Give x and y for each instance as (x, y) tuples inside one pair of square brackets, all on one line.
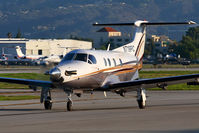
[(69, 105), (141, 103), (48, 103)]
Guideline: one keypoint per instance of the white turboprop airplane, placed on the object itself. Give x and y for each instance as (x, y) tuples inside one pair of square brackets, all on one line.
[(46, 60), (22, 56), (39, 59), (98, 70)]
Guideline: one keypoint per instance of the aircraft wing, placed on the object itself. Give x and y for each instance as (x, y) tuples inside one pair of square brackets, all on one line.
[(155, 82), (27, 82)]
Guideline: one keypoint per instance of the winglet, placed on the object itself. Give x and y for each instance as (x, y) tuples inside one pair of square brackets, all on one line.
[(192, 22)]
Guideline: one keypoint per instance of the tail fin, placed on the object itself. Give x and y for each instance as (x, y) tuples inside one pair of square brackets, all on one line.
[(19, 52), (136, 47)]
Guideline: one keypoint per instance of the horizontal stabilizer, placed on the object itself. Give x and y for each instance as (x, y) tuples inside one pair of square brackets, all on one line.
[(114, 24), (140, 23)]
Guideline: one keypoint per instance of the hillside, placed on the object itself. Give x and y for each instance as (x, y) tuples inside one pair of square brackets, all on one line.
[(62, 18)]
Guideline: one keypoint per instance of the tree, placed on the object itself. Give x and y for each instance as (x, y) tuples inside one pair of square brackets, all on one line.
[(9, 35), (188, 47), (19, 35)]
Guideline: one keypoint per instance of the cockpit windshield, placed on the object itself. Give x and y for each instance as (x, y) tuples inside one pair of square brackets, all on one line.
[(68, 57), (80, 57)]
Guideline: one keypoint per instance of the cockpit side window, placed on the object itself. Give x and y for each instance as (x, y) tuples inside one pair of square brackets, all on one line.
[(81, 57), (92, 59), (68, 56)]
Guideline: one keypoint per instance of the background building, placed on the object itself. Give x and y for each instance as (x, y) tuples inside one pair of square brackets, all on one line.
[(54, 47), (162, 43), (108, 35), (43, 47)]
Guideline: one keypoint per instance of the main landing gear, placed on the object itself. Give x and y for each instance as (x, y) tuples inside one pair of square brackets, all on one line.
[(46, 96), (141, 98), (48, 103)]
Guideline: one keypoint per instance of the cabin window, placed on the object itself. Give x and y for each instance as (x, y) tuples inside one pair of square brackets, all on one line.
[(114, 61), (105, 63), (109, 62), (39, 52), (68, 56), (120, 61), (81, 57), (92, 59)]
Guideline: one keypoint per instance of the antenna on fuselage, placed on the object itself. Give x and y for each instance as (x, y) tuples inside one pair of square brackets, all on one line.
[(108, 48)]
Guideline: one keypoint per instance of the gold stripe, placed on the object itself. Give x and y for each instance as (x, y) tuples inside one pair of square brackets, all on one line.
[(126, 71), (139, 49), (107, 69)]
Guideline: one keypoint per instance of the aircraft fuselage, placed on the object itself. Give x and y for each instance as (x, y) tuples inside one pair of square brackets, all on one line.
[(94, 69)]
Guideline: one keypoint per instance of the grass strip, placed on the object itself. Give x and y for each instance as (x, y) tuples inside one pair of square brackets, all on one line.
[(24, 97)]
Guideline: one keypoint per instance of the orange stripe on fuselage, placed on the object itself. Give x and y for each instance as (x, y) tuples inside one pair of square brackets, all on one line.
[(134, 68), (125, 71), (140, 46)]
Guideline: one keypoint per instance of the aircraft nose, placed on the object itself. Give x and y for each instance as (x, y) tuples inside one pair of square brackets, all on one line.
[(55, 74)]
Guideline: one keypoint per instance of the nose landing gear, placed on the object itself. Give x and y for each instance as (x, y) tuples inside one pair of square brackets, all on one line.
[(69, 103)]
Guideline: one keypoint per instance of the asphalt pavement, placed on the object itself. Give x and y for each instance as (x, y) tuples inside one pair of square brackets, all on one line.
[(166, 111)]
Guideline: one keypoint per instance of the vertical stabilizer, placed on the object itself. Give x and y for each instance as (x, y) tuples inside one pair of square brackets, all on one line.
[(19, 52), (136, 47)]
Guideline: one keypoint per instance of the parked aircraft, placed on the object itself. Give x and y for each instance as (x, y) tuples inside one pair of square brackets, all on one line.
[(46, 60), (3, 57), (22, 56), (97, 70), (38, 59)]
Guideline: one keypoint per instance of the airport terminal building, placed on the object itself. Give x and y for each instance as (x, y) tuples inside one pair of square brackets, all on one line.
[(44, 47)]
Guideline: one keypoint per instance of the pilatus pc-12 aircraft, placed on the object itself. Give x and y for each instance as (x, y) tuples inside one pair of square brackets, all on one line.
[(98, 70)]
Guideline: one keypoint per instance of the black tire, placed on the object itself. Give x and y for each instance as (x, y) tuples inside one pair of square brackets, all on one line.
[(69, 105), (48, 103), (140, 103)]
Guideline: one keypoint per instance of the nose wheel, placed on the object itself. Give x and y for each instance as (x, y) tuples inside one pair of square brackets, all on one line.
[(69, 105)]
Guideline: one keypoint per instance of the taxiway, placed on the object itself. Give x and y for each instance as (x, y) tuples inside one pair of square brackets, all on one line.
[(167, 111)]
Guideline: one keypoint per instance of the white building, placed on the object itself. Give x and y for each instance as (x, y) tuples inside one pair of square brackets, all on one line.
[(54, 47), (112, 36), (7, 45), (43, 47)]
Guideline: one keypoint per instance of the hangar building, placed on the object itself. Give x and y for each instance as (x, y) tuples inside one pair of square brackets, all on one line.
[(43, 47)]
